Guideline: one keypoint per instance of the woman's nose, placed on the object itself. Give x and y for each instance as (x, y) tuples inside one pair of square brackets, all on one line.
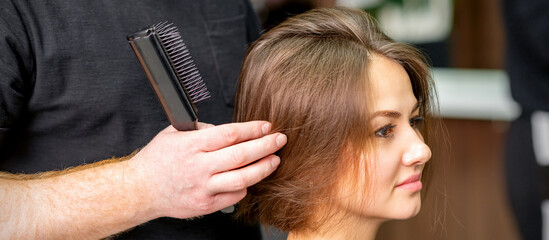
[(417, 153)]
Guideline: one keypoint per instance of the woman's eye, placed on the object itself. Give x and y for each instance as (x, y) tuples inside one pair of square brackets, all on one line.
[(416, 122), (385, 131)]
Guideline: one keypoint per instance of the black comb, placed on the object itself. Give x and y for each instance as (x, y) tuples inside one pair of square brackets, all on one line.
[(171, 72)]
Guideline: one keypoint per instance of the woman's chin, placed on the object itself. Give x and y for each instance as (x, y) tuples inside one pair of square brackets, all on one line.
[(408, 212)]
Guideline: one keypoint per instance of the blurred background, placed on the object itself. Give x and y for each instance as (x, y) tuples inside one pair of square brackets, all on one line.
[(465, 41)]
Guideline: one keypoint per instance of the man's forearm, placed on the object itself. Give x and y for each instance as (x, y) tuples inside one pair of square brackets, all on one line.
[(92, 201)]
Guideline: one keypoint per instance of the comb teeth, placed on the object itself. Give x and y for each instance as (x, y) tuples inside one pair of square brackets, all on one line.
[(182, 62)]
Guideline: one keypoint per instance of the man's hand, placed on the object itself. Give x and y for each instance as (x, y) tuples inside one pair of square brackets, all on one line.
[(178, 174), (193, 173)]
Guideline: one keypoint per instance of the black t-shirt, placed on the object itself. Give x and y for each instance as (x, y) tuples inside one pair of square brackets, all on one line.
[(72, 91)]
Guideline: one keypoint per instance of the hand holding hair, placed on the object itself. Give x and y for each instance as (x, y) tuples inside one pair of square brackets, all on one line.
[(178, 174), (193, 173)]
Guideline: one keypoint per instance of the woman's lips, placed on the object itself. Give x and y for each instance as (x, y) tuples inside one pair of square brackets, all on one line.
[(413, 183)]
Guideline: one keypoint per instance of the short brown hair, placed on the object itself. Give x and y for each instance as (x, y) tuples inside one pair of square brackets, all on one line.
[(308, 77)]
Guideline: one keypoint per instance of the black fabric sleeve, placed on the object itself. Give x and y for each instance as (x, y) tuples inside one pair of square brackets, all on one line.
[(15, 66)]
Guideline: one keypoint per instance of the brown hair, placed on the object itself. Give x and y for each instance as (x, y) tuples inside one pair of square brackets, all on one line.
[(308, 77)]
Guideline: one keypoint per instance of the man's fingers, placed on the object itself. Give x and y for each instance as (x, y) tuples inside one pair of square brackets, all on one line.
[(201, 125), (238, 179), (226, 199), (244, 153), (225, 135)]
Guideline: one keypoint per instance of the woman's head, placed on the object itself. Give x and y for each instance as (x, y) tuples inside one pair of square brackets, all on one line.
[(351, 101)]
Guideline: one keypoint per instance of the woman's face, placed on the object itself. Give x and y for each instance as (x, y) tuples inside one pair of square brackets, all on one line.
[(391, 187)]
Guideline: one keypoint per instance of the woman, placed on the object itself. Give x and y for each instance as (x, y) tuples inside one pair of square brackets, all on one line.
[(353, 104)]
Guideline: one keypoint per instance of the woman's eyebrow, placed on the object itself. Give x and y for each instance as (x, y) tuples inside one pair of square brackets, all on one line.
[(387, 113), (392, 114)]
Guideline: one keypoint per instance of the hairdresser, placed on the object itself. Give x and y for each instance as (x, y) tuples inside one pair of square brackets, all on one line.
[(86, 151)]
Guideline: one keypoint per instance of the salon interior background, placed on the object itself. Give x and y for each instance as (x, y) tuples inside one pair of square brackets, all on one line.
[(465, 41)]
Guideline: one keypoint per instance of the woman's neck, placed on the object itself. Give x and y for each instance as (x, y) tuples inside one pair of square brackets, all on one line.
[(350, 228)]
